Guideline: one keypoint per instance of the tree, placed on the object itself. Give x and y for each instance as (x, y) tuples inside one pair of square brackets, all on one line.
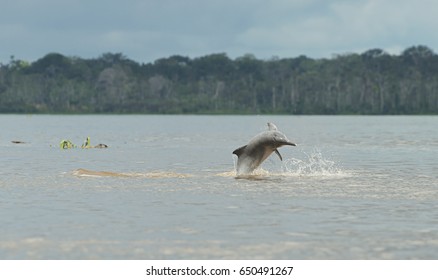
[(372, 82)]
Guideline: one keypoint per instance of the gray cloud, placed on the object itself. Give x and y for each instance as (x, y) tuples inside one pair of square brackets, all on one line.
[(148, 30)]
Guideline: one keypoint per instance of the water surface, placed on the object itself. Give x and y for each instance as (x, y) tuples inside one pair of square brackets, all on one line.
[(355, 187)]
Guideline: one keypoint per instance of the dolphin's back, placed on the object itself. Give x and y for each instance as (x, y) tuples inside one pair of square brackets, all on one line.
[(250, 156)]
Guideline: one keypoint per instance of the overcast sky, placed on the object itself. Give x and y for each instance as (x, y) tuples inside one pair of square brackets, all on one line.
[(145, 30)]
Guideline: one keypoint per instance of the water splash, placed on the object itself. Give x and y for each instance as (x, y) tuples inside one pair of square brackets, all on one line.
[(314, 165)]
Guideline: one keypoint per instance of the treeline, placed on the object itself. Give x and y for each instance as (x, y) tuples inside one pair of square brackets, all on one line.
[(373, 82)]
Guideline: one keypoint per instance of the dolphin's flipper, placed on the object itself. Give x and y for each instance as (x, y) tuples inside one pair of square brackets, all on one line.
[(239, 151), (278, 154), (271, 126)]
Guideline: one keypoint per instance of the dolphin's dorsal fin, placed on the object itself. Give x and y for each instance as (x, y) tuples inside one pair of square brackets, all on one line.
[(278, 154), (239, 151), (271, 126)]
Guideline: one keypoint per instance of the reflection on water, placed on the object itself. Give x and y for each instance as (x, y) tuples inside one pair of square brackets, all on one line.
[(155, 174), (355, 188)]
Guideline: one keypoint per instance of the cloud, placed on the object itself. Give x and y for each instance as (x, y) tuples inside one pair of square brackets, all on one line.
[(345, 26), (148, 30)]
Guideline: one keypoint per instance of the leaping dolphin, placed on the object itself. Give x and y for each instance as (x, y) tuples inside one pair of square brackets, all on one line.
[(259, 148)]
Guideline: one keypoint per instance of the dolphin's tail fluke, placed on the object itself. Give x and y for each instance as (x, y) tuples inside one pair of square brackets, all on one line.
[(239, 151)]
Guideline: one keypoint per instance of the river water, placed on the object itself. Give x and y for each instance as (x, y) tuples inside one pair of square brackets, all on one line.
[(355, 187)]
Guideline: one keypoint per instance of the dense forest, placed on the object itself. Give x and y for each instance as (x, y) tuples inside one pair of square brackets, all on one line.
[(373, 82)]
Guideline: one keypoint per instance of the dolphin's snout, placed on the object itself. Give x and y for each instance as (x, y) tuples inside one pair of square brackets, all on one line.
[(286, 142)]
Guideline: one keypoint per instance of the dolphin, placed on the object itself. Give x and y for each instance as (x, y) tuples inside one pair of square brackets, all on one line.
[(259, 148)]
